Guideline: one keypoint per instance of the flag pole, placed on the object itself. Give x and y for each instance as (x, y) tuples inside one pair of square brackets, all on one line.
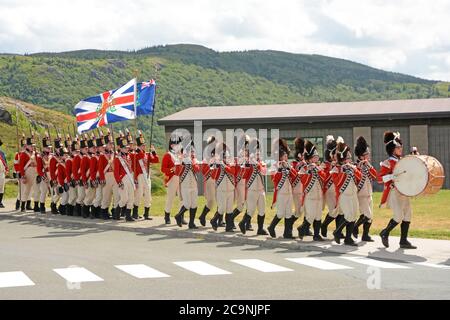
[(136, 74), (154, 105), (113, 138)]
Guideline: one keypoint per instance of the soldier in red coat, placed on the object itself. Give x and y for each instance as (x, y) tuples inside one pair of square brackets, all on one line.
[(282, 174), (62, 186), (106, 176), (171, 181), (16, 170), (27, 170), (43, 170), (400, 204), (365, 190), (84, 175), (346, 177), (89, 176), (208, 182), (72, 178), (53, 164), (78, 154), (142, 175)]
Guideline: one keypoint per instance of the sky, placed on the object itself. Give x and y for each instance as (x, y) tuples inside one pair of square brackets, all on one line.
[(407, 36)]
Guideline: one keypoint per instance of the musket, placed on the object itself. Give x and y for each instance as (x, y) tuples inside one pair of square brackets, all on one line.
[(18, 151)]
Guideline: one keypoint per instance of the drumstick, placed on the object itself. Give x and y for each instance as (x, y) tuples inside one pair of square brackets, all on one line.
[(399, 174)]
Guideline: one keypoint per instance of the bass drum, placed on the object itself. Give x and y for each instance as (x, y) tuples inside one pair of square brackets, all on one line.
[(418, 175)]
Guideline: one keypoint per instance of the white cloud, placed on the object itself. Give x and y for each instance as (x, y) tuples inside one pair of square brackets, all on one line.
[(409, 36)]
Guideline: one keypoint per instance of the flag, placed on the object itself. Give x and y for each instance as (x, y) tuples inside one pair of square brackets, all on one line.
[(146, 92), (108, 107)]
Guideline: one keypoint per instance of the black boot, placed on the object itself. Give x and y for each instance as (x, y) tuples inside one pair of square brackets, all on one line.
[(62, 210), (339, 220), (288, 225), (202, 217), (70, 209), (324, 226), (1, 201), (261, 231), (98, 213), (136, 213), (36, 206), (220, 223), (229, 224), (404, 243), (147, 214), (243, 224), (167, 218), (348, 235), (316, 227), (123, 213), (385, 233), (117, 213), (17, 204), (29, 208), (179, 216), (183, 222), (105, 214), (338, 231), (92, 212), (42, 208), (77, 210), (272, 226), (22, 207), (303, 229), (192, 213), (215, 221), (366, 229), (234, 215), (357, 225), (54, 208), (128, 217), (85, 210)]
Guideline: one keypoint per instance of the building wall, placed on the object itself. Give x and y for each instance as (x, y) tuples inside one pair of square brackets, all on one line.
[(439, 147)]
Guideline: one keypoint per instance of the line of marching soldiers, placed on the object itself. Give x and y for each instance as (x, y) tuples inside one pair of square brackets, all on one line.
[(303, 187), (85, 176)]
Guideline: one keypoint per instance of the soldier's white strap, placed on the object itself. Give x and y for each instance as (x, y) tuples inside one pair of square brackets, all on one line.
[(127, 169), (144, 171)]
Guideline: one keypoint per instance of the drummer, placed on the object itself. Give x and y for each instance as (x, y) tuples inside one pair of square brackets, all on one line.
[(400, 204)]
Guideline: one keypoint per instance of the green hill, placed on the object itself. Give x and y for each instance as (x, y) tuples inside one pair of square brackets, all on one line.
[(196, 76)]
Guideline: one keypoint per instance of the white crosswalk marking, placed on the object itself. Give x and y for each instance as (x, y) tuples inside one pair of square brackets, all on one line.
[(319, 264), (201, 268), (261, 265), (14, 279), (77, 275), (432, 265), (376, 263), (141, 271)]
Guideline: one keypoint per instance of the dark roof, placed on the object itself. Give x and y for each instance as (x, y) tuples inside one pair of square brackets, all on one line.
[(310, 112)]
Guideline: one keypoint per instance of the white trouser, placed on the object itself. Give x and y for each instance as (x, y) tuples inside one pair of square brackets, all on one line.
[(64, 198), (313, 204), (225, 200), (240, 195), (400, 205), (298, 208), (2, 182), (284, 205), (366, 206), (81, 194), (126, 194), (143, 192), (172, 191), (256, 200), (116, 195), (189, 197), (98, 196), (330, 202), (210, 193), (36, 190), (73, 194), (44, 186), (108, 190), (90, 196), (26, 188), (348, 203)]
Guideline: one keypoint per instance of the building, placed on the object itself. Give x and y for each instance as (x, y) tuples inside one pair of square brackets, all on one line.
[(423, 123)]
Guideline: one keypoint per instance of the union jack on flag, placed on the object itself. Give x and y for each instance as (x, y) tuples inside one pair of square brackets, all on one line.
[(108, 107)]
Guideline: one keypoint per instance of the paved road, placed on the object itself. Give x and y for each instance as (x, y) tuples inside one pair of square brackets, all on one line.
[(41, 262)]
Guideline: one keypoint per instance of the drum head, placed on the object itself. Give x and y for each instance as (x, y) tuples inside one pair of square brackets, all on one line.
[(411, 176)]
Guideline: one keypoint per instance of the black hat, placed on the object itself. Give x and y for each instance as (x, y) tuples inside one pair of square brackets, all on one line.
[(83, 142), (299, 147), (122, 142), (140, 140), (174, 139), (46, 141), (129, 137), (100, 142), (361, 148), (211, 146), (107, 139), (282, 148), (23, 140), (343, 152), (30, 141), (310, 150), (57, 142), (392, 140), (91, 142), (75, 145), (331, 144), (68, 141)]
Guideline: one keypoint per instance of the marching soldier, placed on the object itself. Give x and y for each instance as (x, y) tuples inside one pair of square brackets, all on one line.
[(53, 165), (171, 181), (223, 174), (36, 191), (84, 175), (106, 176), (79, 154), (186, 169), (62, 188), (96, 206), (239, 192), (346, 177), (3, 173), (16, 168), (400, 204), (329, 187), (68, 163), (282, 175), (208, 182), (255, 170), (43, 171), (141, 164), (28, 173), (124, 179), (313, 177), (365, 191), (72, 179), (89, 169)]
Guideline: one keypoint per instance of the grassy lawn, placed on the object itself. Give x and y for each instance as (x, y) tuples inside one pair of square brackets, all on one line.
[(431, 214)]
